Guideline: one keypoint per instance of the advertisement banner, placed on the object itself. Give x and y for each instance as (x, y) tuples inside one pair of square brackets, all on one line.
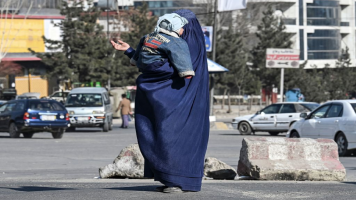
[(208, 35)]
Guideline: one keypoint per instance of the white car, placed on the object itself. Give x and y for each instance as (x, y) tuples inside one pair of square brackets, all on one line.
[(275, 118), (334, 120), (59, 96)]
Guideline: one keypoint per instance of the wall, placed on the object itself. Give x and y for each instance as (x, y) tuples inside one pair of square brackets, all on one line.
[(38, 84)]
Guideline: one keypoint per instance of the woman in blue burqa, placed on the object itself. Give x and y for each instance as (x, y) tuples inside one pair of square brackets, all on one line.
[(172, 114)]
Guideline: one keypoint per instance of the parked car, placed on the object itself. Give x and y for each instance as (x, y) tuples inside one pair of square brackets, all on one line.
[(334, 120), (275, 118), (29, 116), (29, 95), (59, 96), (89, 107)]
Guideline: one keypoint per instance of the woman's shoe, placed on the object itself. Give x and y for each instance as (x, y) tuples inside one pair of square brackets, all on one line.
[(161, 188), (173, 190)]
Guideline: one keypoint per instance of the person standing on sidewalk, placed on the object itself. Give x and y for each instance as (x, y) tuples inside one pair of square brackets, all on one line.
[(172, 112), (125, 106)]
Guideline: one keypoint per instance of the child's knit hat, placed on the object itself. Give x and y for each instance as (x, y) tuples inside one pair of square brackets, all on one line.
[(171, 22)]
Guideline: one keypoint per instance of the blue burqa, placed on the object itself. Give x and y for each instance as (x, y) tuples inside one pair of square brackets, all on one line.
[(172, 115)]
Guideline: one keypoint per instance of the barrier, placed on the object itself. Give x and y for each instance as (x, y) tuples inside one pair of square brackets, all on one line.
[(290, 159)]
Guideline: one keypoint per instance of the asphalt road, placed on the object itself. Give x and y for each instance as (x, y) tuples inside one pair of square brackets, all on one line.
[(46, 168)]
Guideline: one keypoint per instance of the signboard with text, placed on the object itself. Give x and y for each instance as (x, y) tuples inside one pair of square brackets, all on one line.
[(282, 58), (208, 36)]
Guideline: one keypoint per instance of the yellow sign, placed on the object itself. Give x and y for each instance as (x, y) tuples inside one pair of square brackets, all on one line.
[(17, 35)]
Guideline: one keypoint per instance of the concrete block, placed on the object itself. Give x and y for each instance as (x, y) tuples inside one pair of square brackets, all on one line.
[(271, 158)]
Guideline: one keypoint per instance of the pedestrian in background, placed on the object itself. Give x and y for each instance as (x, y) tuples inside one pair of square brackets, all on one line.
[(125, 106)]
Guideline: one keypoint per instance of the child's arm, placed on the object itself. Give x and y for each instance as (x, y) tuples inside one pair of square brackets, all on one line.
[(136, 54), (179, 56), (128, 51)]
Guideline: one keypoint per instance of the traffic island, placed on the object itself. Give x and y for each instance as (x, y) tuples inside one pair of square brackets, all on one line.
[(297, 159)]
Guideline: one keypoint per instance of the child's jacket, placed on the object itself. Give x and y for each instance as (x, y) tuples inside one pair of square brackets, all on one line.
[(164, 45)]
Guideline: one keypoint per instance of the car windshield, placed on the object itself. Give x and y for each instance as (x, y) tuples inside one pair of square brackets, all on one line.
[(45, 105), (84, 100), (310, 106)]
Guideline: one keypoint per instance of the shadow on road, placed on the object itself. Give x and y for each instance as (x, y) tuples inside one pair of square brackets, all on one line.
[(22, 138), (353, 183), (259, 135), (148, 188), (36, 188)]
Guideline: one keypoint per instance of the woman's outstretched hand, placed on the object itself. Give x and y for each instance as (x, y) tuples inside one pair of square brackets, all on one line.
[(120, 45)]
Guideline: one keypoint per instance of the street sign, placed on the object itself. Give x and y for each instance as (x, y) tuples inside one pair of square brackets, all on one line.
[(282, 58)]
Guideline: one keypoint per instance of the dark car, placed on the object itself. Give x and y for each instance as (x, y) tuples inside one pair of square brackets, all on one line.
[(29, 116)]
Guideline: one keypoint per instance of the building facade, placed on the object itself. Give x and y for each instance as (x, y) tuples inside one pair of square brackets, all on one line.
[(320, 28), (24, 28)]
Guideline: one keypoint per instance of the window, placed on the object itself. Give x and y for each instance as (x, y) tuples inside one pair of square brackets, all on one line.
[(335, 111), (320, 113), (60, 94), (301, 109), (43, 3), (3, 107), (45, 105), (20, 106), (288, 108), (84, 100), (323, 44), (354, 106), (272, 109), (310, 106), (323, 13)]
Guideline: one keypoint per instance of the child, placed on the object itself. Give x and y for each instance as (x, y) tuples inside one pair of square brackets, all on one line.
[(165, 43)]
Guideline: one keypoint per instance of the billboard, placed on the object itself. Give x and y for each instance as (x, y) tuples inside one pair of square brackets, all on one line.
[(282, 58), (208, 36), (21, 34)]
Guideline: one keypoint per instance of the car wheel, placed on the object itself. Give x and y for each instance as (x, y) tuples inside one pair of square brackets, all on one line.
[(245, 128), (294, 134), (106, 126), (70, 129), (14, 133), (273, 133), (28, 135), (58, 134), (342, 144), (110, 125)]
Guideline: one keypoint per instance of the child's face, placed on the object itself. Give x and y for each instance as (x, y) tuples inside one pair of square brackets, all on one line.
[(181, 30)]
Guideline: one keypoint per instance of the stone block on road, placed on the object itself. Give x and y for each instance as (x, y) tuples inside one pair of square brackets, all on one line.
[(128, 164), (271, 158), (217, 169)]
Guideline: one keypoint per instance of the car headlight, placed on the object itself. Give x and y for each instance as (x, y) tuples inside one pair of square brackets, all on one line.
[(98, 112), (71, 112)]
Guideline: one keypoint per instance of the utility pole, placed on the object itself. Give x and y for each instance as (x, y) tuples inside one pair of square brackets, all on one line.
[(214, 58), (108, 36)]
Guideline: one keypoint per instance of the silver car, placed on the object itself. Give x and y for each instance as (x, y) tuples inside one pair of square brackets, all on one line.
[(89, 107), (275, 118)]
